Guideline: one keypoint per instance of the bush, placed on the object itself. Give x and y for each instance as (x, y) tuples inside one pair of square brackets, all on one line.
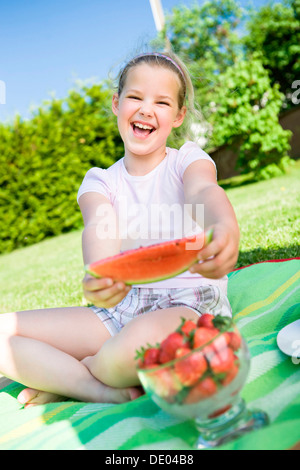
[(274, 31), (246, 118), (240, 81), (43, 162)]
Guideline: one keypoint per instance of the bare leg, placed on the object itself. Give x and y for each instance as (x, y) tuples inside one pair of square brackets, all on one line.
[(43, 348), (45, 368), (74, 330), (118, 353)]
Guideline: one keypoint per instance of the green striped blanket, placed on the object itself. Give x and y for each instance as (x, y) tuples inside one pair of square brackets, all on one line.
[(265, 297)]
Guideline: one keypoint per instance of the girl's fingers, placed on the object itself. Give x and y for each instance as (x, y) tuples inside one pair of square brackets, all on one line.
[(210, 250), (116, 299), (219, 243), (209, 269), (207, 257), (94, 284), (111, 301), (117, 288), (94, 299), (106, 295), (216, 266)]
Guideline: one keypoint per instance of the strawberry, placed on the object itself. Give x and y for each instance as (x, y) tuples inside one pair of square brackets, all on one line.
[(180, 352), (190, 369), (220, 411), (165, 383), (150, 366), (201, 390), (220, 361), (234, 340), (221, 342), (151, 357), (204, 335), (231, 374), (147, 357), (206, 320), (169, 346), (187, 327)]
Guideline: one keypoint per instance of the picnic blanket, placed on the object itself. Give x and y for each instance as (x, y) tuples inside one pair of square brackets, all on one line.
[(265, 297)]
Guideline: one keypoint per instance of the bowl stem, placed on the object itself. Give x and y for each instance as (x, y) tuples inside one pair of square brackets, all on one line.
[(231, 424)]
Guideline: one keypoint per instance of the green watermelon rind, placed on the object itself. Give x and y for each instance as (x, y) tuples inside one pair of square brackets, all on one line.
[(208, 239), (145, 281)]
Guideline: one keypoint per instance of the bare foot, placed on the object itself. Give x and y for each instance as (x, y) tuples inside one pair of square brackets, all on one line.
[(31, 397), (108, 394)]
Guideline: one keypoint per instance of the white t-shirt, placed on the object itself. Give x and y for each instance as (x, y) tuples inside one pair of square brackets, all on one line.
[(150, 208)]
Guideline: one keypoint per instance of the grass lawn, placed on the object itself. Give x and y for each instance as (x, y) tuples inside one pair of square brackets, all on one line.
[(268, 213), (49, 273)]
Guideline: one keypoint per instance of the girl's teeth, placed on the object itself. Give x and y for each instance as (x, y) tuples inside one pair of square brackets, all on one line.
[(142, 126)]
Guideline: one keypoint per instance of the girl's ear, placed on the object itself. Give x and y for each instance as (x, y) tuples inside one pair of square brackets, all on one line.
[(180, 117), (115, 104)]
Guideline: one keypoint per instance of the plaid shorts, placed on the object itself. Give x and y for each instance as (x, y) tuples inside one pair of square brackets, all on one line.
[(140, 300)]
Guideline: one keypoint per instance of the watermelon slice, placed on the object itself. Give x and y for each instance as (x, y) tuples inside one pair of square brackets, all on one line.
[(151, 263)]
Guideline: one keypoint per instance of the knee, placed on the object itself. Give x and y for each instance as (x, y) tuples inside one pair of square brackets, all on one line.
[(135, 335), (8, 324), (6, 346), (116, 360)]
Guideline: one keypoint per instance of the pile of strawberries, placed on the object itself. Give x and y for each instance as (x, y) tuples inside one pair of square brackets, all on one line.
[(200, 372)]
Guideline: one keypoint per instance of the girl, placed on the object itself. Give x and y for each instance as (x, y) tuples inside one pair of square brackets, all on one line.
[(88, 353)]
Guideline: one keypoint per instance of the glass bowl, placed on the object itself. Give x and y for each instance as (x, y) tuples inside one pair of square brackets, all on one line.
[(204, 384)]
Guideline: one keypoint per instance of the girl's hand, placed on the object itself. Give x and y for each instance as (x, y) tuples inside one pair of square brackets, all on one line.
[(219, 257), (104, 292)]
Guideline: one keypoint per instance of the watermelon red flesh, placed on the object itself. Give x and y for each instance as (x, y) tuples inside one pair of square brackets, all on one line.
[(151, 263)]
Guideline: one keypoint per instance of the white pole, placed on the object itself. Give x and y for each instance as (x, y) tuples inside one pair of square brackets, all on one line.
[(158, 14)]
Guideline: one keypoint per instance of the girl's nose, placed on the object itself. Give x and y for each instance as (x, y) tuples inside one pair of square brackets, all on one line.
[(146, 109)]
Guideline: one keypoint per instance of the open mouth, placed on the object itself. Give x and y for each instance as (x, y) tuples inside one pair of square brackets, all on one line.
[(142, 130)]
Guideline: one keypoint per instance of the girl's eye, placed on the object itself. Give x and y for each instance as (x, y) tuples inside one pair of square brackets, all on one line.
[(163, 102), (134, 97)]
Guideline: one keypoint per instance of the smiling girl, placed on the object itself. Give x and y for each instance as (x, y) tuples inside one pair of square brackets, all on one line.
[(87, 353)]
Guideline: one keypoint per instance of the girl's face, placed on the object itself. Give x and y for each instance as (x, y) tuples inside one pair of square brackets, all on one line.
[(147, 109)]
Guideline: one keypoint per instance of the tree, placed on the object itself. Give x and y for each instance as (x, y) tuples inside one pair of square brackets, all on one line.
[(206, 32), (239, 102), (206, 37), (246, 116), (274, 31), (44, 160)]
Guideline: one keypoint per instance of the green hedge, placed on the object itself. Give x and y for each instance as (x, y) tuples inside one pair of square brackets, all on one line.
[(246, 115), (43, 162)]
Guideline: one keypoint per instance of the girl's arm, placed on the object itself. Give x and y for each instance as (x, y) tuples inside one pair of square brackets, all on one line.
[(100, 235), (201, 187), (100, 240)]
